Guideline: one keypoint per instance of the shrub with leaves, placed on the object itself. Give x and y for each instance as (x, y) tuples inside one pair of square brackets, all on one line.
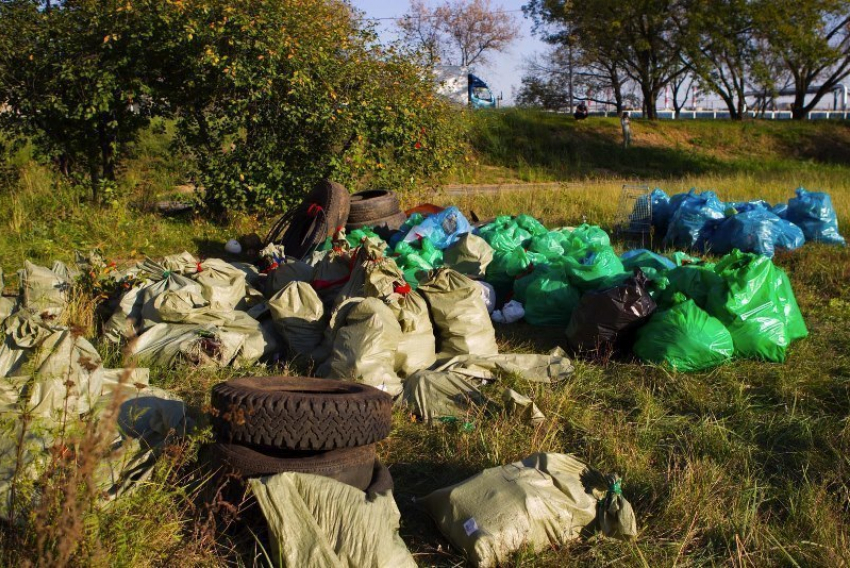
[(75, 77), (276, 94)]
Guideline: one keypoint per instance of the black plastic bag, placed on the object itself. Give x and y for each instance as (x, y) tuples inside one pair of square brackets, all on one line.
[(604, 317)]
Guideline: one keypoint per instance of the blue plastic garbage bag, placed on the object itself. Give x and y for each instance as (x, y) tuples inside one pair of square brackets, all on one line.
[(812, 211), (645, 259), (745, 206), (674, 204), (758, 231), (411, 222), (442, 229), (788, 236), (780, 210), (689, 226)]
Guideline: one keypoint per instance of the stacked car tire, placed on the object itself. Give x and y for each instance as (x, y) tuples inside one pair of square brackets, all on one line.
[(376, 208), (270, 425)]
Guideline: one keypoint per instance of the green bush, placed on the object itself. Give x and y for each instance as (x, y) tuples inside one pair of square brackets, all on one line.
[(76, 78), (274, 95)]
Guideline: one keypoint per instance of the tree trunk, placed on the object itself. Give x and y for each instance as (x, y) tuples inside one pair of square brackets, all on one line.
[(94, 174), (650, 97), (798, 108)]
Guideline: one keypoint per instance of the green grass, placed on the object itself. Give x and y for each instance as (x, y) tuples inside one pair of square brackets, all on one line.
[(535, 146), (745, 465)]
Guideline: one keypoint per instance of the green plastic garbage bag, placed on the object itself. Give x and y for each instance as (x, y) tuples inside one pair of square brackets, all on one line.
[(299, 317), (431, 254), (470, 255), (504, 234), (318, 522), (694, 281), (366, 336), (541, 501), (531, 225), (411, 259), (521, 283), (460, 316), (550, 299), (750, 304), (793, 317), (601, 265), (592, 235), (552, 245), (504, 269), (684, 337)]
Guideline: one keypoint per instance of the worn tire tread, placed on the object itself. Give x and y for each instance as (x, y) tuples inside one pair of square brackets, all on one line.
[(295, 421)]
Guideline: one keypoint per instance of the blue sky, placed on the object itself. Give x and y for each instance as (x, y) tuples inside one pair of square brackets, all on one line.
[(503, 73)]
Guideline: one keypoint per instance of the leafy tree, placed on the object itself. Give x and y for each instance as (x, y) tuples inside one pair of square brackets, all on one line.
[(546, 82), (75, 78), (812, 39), (719, 47), (458, 32), (274, 94), (641, 36)]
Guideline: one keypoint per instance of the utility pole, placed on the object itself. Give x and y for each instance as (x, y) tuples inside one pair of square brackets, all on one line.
[(570, 69)]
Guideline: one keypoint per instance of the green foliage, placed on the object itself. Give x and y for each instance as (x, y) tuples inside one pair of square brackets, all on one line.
[(76, 79), (811, 39), (275, 95)]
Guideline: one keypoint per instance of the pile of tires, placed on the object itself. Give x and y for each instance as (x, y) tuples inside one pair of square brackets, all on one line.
[(377, 208), (303, 228), (270, 425)]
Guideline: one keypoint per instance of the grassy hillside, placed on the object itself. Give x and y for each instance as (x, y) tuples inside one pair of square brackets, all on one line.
[(745, 465), (534, 146)]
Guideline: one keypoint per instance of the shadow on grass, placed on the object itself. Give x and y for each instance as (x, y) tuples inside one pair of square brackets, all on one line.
[(419, 531), (213, 248), (564, 149)]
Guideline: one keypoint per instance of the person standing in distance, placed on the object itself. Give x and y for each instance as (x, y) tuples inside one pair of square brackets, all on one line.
[(627, 129)]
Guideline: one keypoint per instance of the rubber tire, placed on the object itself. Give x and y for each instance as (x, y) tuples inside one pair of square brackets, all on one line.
[(367, 207), (383, 227), (300, 413), (338, 203), (354, 466), (306, 232)]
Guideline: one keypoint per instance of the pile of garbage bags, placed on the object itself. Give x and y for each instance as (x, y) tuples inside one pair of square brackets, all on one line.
[(51, 378), (700, 221), (676, 310)]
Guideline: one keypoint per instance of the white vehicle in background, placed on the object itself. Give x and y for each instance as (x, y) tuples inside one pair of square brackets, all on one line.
[(457, 84)]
